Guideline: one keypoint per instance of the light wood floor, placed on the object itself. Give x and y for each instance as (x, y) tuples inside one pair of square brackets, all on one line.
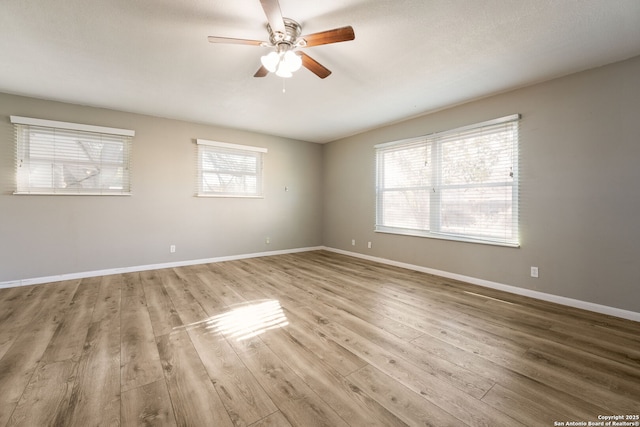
[(344, 342)]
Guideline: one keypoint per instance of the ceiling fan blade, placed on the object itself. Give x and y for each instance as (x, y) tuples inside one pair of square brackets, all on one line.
[(314, 66), (274, 16), (336, 35), (231, 40), (261, 72)]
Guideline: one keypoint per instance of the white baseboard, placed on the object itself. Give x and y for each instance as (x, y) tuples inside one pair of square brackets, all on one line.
[(598, 308), (570, 302), (85, 274)]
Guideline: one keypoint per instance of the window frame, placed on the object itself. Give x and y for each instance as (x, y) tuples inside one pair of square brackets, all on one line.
[(257, 153), (435, 186), (90, 134)]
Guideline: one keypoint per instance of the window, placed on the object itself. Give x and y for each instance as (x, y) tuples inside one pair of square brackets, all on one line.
[(460, 184), (229, 170), (69, 158)]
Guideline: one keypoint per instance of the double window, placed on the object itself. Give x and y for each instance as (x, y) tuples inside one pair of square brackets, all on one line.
[(229, 170), (460, 184), (68, 158)]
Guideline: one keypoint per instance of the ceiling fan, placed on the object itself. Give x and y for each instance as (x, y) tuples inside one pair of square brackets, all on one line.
[(285, 37)]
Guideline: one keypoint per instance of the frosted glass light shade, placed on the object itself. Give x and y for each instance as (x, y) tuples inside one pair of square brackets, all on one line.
[(270, 61), (283, 70), (292, 61), (282, 63)]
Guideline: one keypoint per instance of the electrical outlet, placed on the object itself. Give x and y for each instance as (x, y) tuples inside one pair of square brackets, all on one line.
[(534, 271), (267, 240), (353, 242), (369, 245), (172, 248)]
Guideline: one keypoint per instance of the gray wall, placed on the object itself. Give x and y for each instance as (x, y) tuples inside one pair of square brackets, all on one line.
[(580, 202), (49, 235), (580, 190)]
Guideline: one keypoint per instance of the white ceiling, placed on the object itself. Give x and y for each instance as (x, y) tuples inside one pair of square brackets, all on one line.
[(409, 56)]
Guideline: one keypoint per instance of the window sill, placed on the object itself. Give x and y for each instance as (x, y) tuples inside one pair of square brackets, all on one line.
[(439, 236), (228, 196), (40, 193)]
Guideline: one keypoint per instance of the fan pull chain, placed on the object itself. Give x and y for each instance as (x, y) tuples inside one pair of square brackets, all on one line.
[(283, 88)]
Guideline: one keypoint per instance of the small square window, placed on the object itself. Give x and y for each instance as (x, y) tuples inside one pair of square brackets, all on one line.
[(229, 170)]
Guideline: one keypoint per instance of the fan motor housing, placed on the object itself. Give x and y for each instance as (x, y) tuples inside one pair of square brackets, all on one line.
[(290, 36)]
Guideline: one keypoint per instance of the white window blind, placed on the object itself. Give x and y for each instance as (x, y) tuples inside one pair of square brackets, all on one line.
[(68, 158), (460, 184), (229, 170)]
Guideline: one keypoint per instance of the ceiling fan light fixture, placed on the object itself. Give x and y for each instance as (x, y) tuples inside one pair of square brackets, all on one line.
[(283, 63), (293, 61), (285, 35), (283, 70), (270, 61)]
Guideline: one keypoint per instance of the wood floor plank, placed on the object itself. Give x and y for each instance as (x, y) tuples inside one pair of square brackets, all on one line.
[(186, 280), (341, 297), (621, 350), (274, 420), (624, 379), (163, 315), (583, 334), (530, 367), (567, 321), (148, 405), (525, 410), (20, 305), (21, 360), (527, 388), (462, 356), (195, 400), (300, 405), (496, 341), (46, 398), (518, 350), (139, 353), (99, 366), (353, 406), (565, 401), (109, 299), (460, 403), (588, 384), (324, 348), (176, 283), (411, 407), (464, 379), (220, 291), (423, 316), (69, 337), (305, 339), (268, 282), (243, 397)]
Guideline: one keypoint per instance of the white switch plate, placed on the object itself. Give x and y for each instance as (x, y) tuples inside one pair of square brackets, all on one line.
[(172, 248)]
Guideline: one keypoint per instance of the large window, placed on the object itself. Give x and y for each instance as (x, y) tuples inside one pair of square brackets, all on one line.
[(229, 170), (460, 184), (69, 158)]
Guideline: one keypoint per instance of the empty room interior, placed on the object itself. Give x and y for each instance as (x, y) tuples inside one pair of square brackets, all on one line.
[(336, 213)]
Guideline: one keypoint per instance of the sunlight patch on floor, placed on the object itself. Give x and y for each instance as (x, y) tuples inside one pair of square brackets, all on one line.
[(249, 320)]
